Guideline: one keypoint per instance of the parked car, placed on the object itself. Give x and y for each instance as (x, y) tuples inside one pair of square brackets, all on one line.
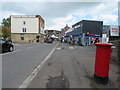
[(49, 40), (6, 45)]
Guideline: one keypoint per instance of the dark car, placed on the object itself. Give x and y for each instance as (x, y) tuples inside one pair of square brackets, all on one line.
[(49, 40), (6, 45)]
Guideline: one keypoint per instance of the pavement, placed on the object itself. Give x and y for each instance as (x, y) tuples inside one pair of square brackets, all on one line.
[(72, 67), (17, 65)]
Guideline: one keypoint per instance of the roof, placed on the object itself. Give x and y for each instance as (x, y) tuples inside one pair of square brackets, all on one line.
[(23, 16), (26, 16), (85, 21), (53, 30)]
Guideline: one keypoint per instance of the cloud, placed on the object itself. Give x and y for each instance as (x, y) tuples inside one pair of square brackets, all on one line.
[(106, 12), (60, 22), (60, 1), (111, 18), (58, 14)]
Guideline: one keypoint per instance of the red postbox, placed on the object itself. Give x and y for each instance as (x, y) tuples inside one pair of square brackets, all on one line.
[(102, 61)]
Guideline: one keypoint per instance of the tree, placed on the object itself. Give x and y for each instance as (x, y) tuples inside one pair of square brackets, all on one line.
[(6, 22), (5, 33)]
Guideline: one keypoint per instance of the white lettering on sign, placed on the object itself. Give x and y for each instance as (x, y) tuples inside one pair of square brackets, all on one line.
[(97, 35), (80, 25)]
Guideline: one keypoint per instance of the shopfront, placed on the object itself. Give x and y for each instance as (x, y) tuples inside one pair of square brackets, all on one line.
[(91, 39)]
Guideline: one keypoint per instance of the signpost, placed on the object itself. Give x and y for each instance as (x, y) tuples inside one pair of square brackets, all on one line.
[(114, 30)]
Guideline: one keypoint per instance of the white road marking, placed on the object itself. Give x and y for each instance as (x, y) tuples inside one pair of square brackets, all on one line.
[(29, 47), (71, 47), (27, 81), (10, 52), (58, 48)]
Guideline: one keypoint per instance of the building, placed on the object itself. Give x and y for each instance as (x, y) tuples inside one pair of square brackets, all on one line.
[(88, 27), (86, 31), (111, 32), (53, 33), (26, 28), (65, 30)]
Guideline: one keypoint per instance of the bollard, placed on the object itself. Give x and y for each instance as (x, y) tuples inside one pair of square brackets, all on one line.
[(102, 61)]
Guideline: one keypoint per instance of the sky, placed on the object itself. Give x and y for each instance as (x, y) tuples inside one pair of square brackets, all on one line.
[(59, 13)]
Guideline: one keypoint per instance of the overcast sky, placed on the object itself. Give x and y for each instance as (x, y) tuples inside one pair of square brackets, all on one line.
[(58, 14)]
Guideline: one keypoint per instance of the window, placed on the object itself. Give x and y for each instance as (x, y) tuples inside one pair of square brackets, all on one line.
[(22, 36), (24, 22), (2, 41), (23, 29)]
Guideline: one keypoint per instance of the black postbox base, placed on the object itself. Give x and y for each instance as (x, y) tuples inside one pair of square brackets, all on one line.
[(100, 79)]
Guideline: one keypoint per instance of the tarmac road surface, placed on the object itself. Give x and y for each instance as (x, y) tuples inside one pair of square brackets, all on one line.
[(17, 65), (71, 67)]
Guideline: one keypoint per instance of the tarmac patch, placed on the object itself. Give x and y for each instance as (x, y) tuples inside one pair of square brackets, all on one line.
[(58, 82), (49, 64)]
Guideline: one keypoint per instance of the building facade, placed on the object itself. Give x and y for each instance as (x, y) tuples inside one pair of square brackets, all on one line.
[(111, 32), (27, 28), (86, 31), (65, 30), (55, 33), (88, 27)]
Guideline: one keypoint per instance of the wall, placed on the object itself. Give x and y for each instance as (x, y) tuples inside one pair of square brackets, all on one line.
[(84, 26), (42, 25), (93, 27), (17, 24), (27, 37)]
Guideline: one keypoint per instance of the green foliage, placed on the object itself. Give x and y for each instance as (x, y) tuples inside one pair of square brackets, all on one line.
[(5, 32), (6, 22)]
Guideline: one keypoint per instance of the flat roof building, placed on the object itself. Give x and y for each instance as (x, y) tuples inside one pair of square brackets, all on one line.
[(86, 30)]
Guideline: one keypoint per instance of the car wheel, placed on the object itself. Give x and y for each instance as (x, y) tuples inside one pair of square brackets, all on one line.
[(11, 49)]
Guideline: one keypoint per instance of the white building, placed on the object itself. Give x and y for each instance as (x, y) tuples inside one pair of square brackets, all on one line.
[(27, 28)]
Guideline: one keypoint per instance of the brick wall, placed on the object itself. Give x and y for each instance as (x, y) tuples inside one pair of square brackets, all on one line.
[(27, 37)]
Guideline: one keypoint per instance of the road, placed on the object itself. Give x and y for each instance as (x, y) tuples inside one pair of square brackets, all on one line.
[(66, 68), (17, 65), (71, 67)]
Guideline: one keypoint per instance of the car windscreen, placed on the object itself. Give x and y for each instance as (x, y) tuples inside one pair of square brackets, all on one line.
[(2, 41)]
